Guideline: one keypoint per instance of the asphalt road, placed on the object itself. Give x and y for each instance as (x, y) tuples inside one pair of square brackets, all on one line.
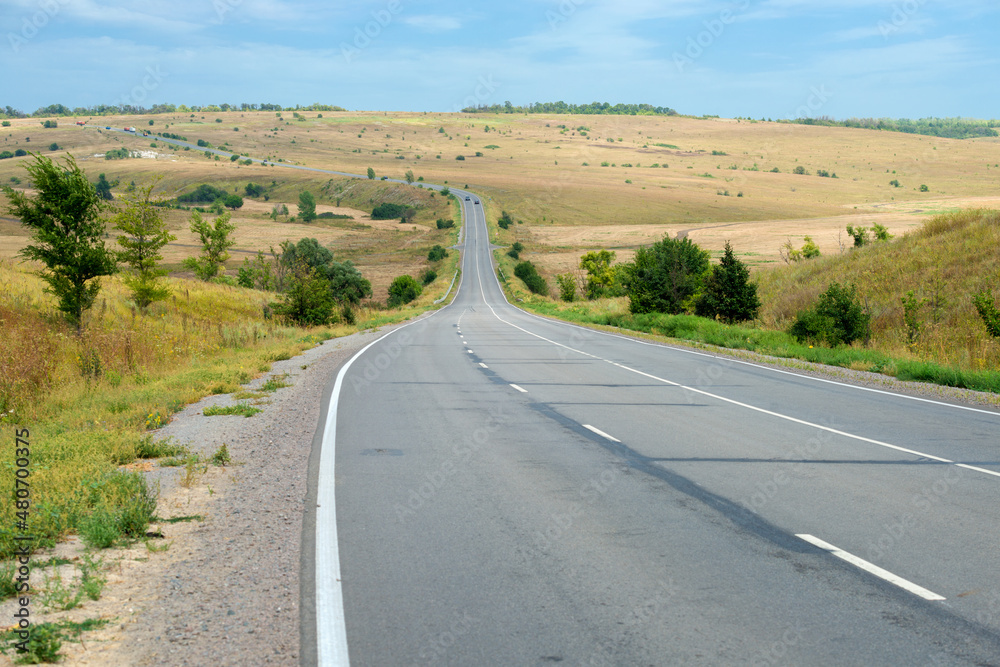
[(494, 488), (515, 491)]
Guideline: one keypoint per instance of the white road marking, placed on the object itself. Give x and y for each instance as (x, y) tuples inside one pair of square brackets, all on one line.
[(871, 568), (483, 365), (601, 433), (523, 391), (469, 351), (771, 413)]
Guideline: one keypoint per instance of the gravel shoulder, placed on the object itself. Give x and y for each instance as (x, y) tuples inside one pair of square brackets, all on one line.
[(224, 588), (225, 591)]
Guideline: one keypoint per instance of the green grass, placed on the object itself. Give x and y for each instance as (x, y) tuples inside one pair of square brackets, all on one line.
[(765, 341), (240, 410)]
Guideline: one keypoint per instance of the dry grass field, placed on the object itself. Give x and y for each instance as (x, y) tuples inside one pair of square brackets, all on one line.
[(663, 175)]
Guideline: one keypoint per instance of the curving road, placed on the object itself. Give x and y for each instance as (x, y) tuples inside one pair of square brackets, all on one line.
[(500, 489)]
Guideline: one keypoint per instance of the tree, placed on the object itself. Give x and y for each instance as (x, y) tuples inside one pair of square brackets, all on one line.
[(307, 206), (403, 290), (409, 176), (567, 287), (837, 318), (729, 294), (143, 234), (371, 174), (309, 299), (666, 277), (103, 188), (253, 190), (216, 242), (232, 202), (346, 283), (67, 230), (602, 278)]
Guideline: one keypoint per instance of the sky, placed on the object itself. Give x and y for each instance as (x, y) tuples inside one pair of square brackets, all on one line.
[(738, 58)]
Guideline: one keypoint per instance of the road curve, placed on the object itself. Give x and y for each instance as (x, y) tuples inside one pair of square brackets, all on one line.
[(512, 490)]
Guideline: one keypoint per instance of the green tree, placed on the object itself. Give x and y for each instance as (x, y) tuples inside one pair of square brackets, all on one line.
[(103, 188), (567, 287), (215, 240), (729, 294), (233, 202), (409, 176), (143, 235), (810, 250), (837, 318), (67, 232), (602, 278), (346, 283), (371, 174), (403, 290), (307, 206), (308, 300), (666, 277)]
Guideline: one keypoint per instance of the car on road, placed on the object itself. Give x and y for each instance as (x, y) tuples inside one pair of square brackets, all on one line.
[(477, 202), (468, 198)]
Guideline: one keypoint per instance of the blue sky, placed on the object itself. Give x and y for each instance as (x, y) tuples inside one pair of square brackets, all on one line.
[(758, 58)]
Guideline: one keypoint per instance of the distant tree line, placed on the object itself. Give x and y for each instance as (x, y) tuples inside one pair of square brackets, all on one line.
[(131, 109), (592, 109), (948, 128)]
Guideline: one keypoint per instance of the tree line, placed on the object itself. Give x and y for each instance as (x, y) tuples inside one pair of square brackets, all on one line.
[(592, 109), (948, 128), (137, 110)]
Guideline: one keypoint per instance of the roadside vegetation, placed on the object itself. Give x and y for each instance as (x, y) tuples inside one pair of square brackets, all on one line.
[(920, 307)]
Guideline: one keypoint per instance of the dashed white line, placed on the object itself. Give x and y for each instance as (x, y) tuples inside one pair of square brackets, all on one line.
[(469, 351), (483, 365), (523, 391), (871, 568), (601, 433)]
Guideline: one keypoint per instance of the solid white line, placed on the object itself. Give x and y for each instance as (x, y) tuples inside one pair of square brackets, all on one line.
[(523, 391), (601, 433), (871, 568), (483, 365)]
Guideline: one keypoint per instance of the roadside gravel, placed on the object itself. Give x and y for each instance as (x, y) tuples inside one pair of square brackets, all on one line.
[(226, 591)]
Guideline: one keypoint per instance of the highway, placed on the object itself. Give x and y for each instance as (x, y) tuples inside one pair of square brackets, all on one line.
[(515, 491)]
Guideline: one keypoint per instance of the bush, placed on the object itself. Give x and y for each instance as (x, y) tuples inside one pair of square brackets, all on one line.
[(204, 193), (801, 171), (389, 211), (203, 144), (6, 155), (527, 272), (428, 276), (445, 224), (729, 295), (309, 299), (666, 277), (436, 254), (403, 290), (988, 312), (459, 157), (567, 287), (20, 152), (505, 220), (837, 318)]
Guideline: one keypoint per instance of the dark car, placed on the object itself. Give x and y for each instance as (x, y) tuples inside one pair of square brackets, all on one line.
[(468, 198), (477, 202)]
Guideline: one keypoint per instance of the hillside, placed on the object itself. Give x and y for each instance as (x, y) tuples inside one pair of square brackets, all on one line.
[(944, 263)]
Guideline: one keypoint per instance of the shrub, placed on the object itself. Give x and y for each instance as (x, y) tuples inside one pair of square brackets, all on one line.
[(729, 295), (459, 157), (988, 312), (6, 155), (436, 254), (53, 146), (204, 193), (445, 224), (403, 290), (924, 188), (428, 276), (527, 272), (567, 287), (505, 220), (800, 170), (20, 152), (666, 277), (837, 318), (389, 211), (309, 299)]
